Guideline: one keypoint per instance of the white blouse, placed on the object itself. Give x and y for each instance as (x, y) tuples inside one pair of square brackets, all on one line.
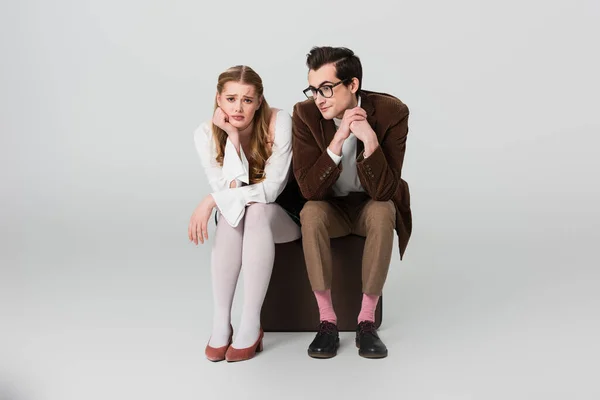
[(232, 202)]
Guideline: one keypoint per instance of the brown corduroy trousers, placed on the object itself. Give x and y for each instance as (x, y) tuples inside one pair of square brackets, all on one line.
[(340, 216)]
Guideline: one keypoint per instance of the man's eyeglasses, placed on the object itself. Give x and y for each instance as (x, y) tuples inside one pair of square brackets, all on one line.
[(324, 90)]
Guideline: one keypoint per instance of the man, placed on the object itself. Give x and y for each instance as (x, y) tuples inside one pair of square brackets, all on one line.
[(348, 149)]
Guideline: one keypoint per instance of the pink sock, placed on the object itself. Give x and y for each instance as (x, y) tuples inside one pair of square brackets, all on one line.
[(367, 311), (326, 312)]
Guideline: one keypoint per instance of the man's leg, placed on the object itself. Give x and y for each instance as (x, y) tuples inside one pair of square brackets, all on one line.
[(376, 222), (322, 221)]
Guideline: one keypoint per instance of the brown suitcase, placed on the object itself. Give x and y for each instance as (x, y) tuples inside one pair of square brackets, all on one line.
[(290, 304)]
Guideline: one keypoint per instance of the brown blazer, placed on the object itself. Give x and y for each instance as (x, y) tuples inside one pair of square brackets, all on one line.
[(379, 174)]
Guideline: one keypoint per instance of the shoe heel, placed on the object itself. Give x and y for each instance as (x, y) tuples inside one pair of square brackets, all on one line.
[(259, 348)]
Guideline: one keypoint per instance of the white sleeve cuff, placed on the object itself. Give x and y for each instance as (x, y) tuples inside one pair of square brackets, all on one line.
[(231, 205), (235, 167), (334, 157)]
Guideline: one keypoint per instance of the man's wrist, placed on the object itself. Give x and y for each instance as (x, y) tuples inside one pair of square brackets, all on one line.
[(370, 147), (336, 146)]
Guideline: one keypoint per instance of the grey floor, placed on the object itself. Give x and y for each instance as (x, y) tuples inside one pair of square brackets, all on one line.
[(521, 323)]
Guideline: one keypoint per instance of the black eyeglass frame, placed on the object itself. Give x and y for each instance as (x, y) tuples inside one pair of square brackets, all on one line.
[(311, 92)]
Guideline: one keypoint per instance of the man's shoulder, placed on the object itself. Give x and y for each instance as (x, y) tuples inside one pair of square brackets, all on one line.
[(386, 106)]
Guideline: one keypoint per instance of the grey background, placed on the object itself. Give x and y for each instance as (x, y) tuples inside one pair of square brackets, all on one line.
[(102, 296)]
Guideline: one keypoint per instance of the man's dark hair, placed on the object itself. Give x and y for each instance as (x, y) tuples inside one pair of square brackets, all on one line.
[(347, 65)]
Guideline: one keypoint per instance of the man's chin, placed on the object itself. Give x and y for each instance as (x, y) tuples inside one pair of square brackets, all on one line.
[(328, 114)]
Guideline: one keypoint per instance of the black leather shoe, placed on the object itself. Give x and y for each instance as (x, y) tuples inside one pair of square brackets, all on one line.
[(368, 342), (326, 341)]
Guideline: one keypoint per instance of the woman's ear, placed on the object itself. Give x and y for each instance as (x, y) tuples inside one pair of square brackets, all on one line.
[(218, 99)]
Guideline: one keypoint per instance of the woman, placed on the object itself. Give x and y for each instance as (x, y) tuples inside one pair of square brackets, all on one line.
[(246, 153)]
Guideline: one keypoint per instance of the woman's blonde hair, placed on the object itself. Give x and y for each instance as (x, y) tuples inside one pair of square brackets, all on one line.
[(260, 149)]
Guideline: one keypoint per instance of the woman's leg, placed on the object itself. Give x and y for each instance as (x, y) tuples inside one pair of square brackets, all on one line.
[(265, 225), (226, 261)]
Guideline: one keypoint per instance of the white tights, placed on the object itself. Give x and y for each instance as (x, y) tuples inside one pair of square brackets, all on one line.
[(249, 246)]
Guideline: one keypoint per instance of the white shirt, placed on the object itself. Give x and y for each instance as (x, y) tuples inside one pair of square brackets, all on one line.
[(348, 180), (232, 202)]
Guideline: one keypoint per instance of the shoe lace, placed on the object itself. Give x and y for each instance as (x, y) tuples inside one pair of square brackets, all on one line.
[(367, 327), (326, 327)]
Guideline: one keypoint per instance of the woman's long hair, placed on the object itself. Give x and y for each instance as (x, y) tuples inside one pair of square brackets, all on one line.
[(260, 149)]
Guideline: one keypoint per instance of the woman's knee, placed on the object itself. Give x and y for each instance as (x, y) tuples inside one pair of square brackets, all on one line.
[(257, 214)]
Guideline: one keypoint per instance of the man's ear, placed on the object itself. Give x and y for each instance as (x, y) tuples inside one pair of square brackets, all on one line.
[(354, 85)]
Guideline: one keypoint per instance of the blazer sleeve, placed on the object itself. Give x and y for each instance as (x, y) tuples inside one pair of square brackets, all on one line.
[(314, 169), (381, 172)]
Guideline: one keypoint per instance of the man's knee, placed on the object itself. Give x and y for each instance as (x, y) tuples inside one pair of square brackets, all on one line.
[(313, 214), (381, 214)]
